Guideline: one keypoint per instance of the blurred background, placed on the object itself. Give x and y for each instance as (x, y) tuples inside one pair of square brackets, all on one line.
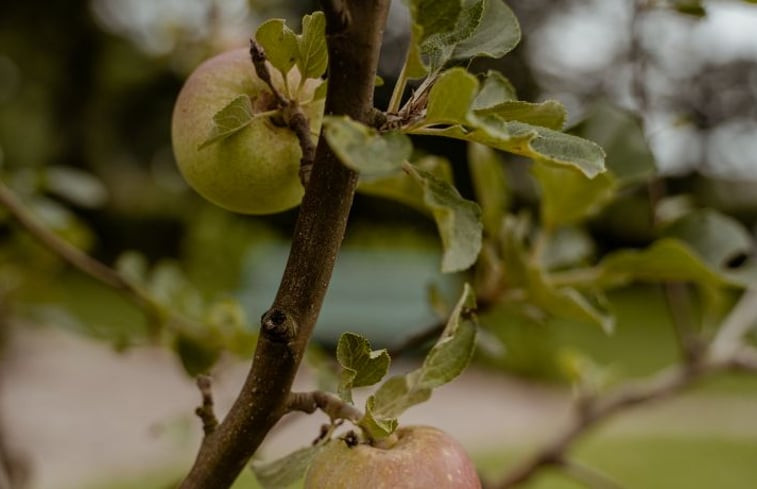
[(86, 91)]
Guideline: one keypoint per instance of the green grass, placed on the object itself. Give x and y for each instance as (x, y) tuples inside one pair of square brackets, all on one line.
[(637, 463), (653, 463)]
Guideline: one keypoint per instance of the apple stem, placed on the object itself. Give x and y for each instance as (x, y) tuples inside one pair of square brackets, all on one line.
[(386, 443)]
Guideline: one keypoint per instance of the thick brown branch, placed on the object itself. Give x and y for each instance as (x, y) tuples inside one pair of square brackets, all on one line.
[(353, 58), (335, 408), (338, 16)]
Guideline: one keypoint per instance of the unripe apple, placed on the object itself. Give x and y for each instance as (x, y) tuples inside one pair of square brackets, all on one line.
[(421, 458), (255, 170)]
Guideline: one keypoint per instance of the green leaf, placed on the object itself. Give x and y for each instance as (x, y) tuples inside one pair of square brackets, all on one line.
[(559, 148), (434, 16), (361, 366), (529, 276), (445, 30), (313, 55), (717, 238), (363, 149), (550, 114), (567, 196), (446, 360), (701, 247), (279, 43), (619, 132), (454, 349), (567, 247), (565, 302), (439, 47), (514, 257), (283, 472), (457, 219), (414, 66), (321, 90), (526, 140), (490, 185), (396, 395), (197, 355), (227, 318), (666, 260), (496, 35), (376, 425), (234, 117), (403, 188), (495, 89), (133, 266), (451, 97), (694, 8)]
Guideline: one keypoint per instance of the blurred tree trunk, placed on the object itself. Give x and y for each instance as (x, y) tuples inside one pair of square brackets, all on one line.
[(14, 470)]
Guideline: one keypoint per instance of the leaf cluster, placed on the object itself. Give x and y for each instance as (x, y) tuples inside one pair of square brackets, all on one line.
[(361, 366)]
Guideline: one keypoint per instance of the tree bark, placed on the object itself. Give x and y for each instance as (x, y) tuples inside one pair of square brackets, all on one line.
[(354, 34)]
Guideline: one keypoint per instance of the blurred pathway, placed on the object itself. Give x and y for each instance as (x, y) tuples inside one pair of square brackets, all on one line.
[(81, 411)]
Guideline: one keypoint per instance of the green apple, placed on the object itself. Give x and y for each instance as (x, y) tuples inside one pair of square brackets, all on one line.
[(420, 458), (254, 170)]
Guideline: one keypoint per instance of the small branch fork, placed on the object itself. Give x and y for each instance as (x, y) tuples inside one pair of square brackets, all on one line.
[(292, 113), (591, 411)]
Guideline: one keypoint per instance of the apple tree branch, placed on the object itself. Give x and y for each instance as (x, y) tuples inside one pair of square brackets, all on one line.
[(286, 328)]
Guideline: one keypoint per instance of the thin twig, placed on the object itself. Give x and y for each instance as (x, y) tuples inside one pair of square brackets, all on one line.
[(257, 55), (294, 117), (300, 125), (206, 412), (334, 407)]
